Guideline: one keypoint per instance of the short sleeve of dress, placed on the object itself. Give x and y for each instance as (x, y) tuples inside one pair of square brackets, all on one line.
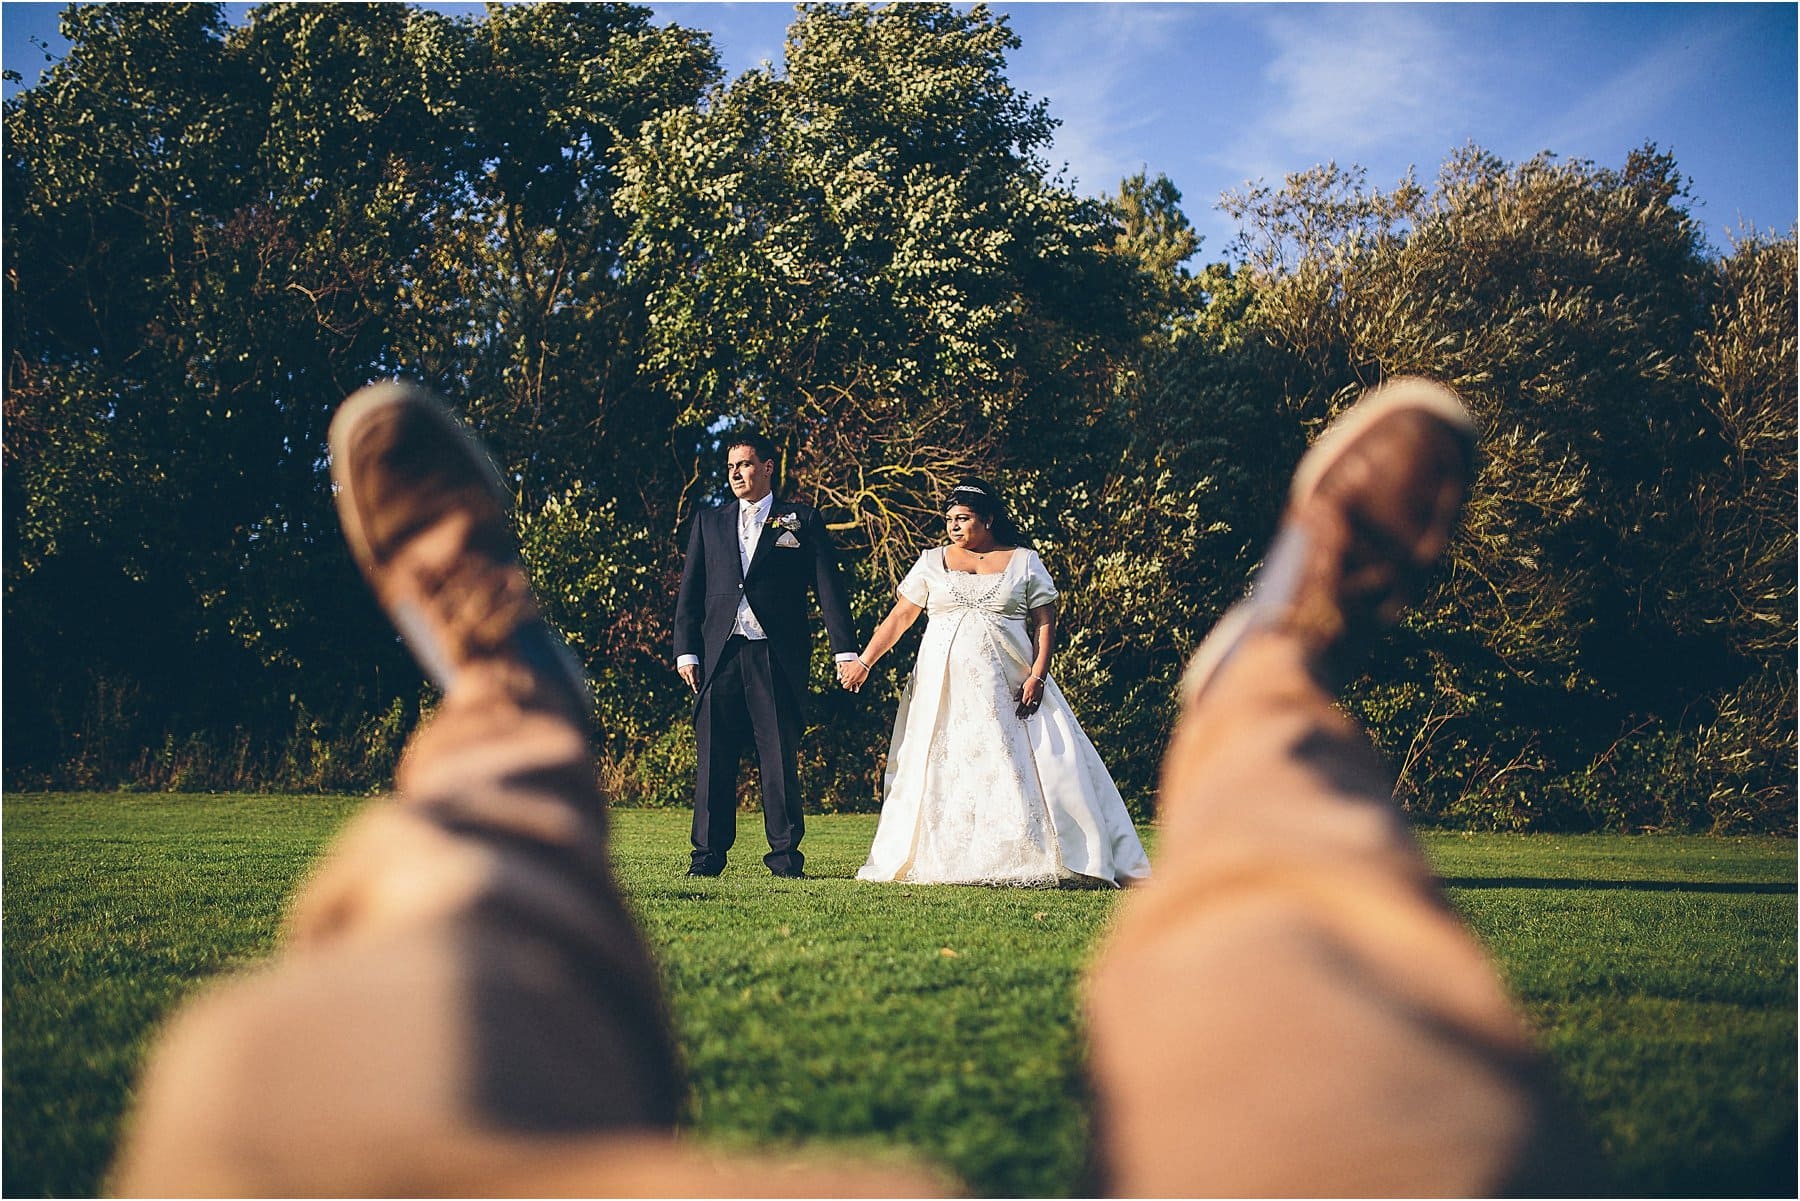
[(1040, 589), (916, 587)]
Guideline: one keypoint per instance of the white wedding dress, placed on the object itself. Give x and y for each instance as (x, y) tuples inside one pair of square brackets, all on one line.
[(975, 794)]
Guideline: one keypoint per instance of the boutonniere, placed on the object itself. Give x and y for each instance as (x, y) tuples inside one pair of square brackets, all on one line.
[(789, 524)]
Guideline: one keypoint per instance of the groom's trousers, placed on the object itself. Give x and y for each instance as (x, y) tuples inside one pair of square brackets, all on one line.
[(463, 1006), (747, 704)]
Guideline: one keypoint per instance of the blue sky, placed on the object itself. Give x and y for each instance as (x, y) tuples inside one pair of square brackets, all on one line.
[(1214, 95)]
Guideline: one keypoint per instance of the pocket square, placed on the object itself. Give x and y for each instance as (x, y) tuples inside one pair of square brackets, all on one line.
[(787, 540)]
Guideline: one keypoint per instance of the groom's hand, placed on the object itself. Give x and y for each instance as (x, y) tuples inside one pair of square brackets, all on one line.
[(851, 674), (690, 674)]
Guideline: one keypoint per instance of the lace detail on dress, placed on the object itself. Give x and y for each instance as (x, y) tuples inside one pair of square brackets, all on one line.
[(969, 591), (984, 818)]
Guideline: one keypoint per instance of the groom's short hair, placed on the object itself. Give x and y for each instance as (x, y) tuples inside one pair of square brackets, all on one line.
[(756, 440)]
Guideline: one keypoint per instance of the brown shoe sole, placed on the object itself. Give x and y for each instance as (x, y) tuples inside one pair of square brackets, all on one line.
[(1402, 393), (372, 400), (545, 651)]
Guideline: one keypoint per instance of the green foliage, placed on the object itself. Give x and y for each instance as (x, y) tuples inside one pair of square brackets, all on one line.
[(1154, 230), (1735, 577), (1570, 670), (1160, 522), (562, 218), (1659, 971), (862, 210), (1159, 503), (211, 238), (862, 253)]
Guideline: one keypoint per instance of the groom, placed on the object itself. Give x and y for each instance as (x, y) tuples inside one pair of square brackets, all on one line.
[(742, 644)]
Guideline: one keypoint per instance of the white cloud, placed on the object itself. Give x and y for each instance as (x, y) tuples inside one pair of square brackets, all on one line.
[(1349, 82), (1088, 61)]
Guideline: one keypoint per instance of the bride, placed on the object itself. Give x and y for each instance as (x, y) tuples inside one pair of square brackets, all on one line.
[(990, 779)]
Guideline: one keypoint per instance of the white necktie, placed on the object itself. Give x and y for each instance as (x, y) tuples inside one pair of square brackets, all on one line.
[(746, 534), (746, 624)]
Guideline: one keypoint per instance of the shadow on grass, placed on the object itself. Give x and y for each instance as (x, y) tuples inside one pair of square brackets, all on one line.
[(1759, 889)]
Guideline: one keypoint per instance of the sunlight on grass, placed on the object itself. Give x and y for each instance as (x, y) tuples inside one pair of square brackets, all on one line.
[(945, 1021)]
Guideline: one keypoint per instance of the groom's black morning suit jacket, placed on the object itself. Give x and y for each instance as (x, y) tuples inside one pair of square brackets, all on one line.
[(712, 580), (751, 694)]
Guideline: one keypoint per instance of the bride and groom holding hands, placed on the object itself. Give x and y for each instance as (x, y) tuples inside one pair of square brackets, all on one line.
[(463, 1004), (989, 779)]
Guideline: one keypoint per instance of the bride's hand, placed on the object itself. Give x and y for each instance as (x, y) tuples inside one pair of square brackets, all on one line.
[(852, 674), (1031, 695)]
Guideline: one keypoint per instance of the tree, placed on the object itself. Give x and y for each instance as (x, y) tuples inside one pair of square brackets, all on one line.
[(1156, 234), (1567, 302), (862, 253), (559, 217), (212, 237), (1731, 579)]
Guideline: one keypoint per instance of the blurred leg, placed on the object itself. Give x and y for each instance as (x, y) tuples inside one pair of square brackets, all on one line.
[(460, 962), (461, 1007), (459, 968), (1290, 1007), (462, 1004)]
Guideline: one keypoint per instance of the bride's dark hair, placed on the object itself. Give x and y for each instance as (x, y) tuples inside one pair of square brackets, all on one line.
[(984, 499)]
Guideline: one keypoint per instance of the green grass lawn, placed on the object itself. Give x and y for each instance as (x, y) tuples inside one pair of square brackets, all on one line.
[(1660, 971)]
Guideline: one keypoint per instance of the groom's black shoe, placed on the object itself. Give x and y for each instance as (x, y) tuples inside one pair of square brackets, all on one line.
[(786, 865), (1373, 505), (424, 513)]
